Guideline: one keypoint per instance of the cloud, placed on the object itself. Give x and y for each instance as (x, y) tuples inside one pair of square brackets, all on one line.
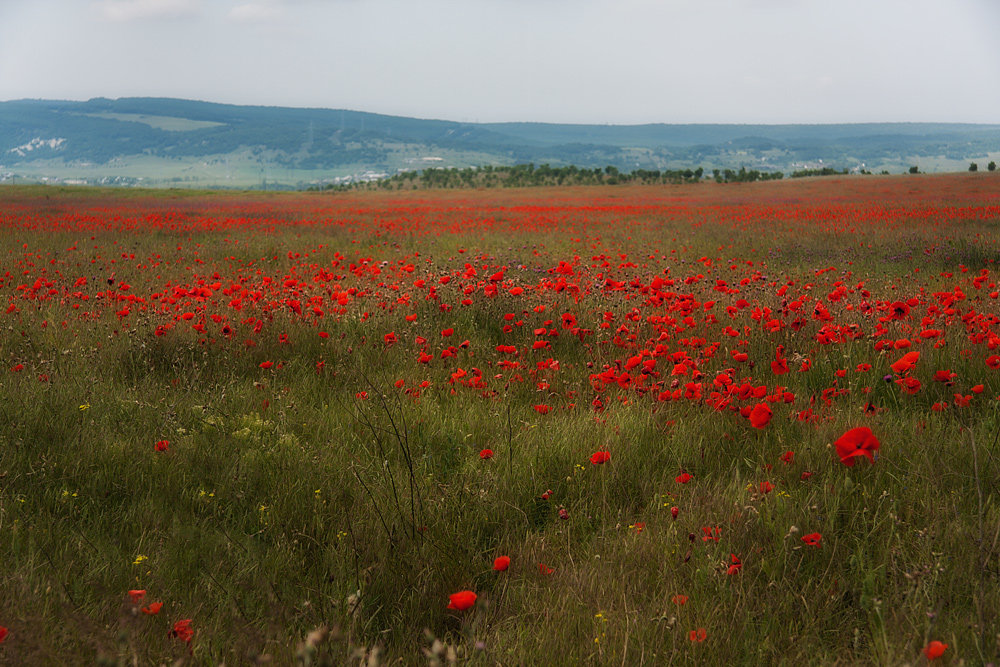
[(253, 12), (133, 10)]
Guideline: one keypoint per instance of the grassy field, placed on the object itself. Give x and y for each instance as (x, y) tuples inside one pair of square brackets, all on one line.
[(248, 427), (170, 123)]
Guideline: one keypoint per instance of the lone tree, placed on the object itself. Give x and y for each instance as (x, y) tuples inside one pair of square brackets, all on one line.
[(973, 167), (992, 166), (914, 170)]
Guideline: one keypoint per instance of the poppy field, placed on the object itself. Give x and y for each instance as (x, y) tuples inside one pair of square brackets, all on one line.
[(704, 424)]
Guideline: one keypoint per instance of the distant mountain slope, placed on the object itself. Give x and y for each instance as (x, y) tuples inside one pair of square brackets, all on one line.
[(139, 133), (695, 134), (100, 129)]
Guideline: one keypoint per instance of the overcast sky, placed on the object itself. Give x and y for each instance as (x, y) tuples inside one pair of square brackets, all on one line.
[(575, 61)]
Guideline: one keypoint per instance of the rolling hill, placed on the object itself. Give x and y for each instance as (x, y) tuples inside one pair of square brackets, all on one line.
[(162, 141)]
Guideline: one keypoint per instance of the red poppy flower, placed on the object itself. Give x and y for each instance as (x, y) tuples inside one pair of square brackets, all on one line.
[(461, 600), (944, 376), (736, 566), (906, 362), (182, 630), (161, 445), (683, 478), (935, 650), (698, 635), (765, 487), (760, 415), (597, 458), (3, 633), (898, 310), (153, 609), (501, 563), (542, 409), (266, 364), (812, 539), (679, 599), (486, 454), (787, 457), (674, 511), (136, 595), (545, 569), (856, 442)]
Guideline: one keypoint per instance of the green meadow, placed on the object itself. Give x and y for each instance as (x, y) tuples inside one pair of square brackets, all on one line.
[(293, 426)]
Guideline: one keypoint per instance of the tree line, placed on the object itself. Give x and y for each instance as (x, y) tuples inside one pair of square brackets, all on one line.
[(529, 175)]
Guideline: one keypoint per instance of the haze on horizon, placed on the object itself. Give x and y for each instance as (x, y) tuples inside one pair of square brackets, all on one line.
[(562, 61)]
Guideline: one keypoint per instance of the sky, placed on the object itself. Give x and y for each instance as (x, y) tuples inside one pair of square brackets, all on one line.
[(563, 61)]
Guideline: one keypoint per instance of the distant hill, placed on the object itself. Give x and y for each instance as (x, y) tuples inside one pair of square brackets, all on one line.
[(162, 141)]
